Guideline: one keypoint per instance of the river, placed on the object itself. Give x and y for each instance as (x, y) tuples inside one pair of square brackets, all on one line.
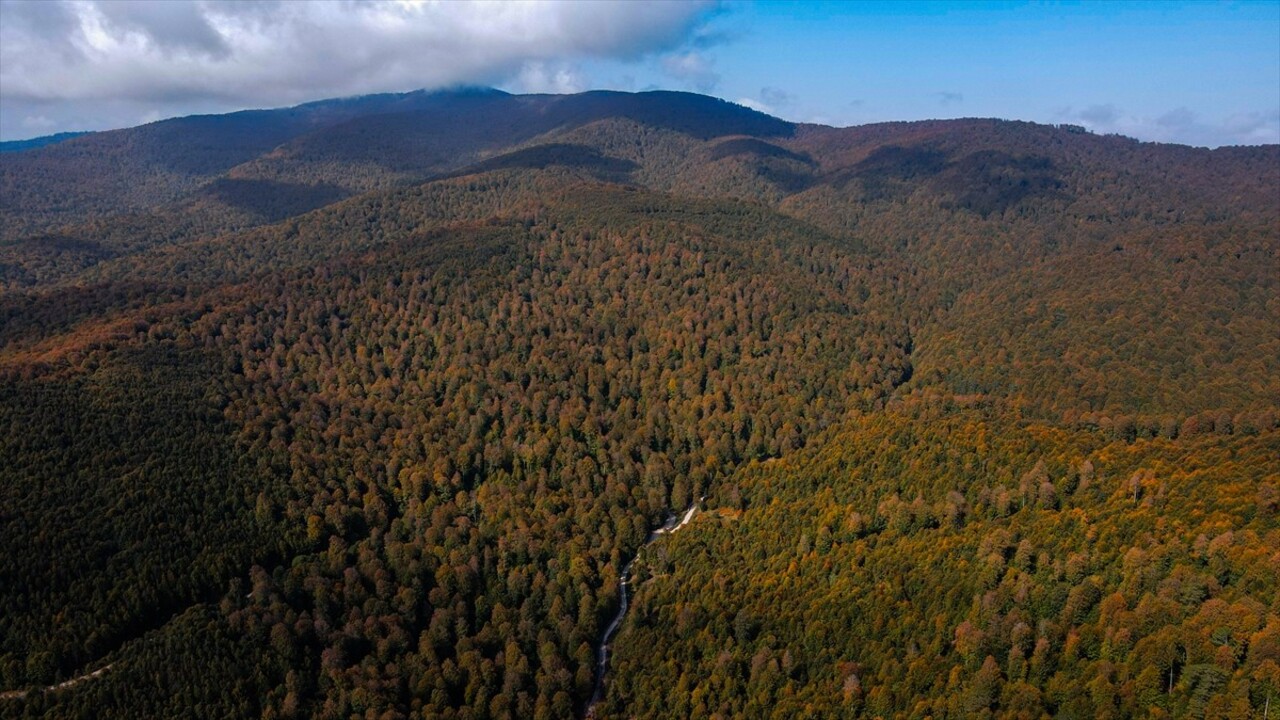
[(22, 694), (673, 524)]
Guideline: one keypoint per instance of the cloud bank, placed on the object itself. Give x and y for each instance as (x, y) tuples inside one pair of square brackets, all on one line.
[(63, 59), (1180, 125)]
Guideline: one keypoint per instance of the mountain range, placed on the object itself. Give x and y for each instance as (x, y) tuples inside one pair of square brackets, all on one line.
[(362, 407)]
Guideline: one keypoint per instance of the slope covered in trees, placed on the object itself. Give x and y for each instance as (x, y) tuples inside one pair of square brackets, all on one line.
[(985, 415), (954, 562), (121, 507), (480, 423)]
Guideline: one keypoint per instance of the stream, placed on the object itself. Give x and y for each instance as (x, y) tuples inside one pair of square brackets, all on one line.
[(22, 694), (673, 524)]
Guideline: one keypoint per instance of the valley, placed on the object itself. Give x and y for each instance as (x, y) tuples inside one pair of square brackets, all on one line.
[(376, 403)]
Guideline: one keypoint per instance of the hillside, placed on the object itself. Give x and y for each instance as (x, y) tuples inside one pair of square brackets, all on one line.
[(361, 408), (1085, 577)]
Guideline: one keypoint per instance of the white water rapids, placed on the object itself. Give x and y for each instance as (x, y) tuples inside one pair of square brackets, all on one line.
[(624, 581)]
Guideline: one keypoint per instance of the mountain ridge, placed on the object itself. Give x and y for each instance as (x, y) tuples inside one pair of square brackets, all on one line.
[(1001, 396)]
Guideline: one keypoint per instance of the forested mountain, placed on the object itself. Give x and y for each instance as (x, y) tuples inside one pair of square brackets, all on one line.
[(42, 141), (360, 408)]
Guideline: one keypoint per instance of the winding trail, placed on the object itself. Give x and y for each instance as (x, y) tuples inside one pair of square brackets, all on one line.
[(22, 694), (673, 524)]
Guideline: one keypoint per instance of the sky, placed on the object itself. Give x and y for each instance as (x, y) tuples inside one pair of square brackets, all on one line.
[(1202, 73)]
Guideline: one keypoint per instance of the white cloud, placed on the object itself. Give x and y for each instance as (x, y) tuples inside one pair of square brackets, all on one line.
[(1179, 125), (37, 122), (1254, 128), (254, 53), (755, 105), (1100, 115), (776, 97), (693, 68), (542, 77), (772, 100), (1177, 118)]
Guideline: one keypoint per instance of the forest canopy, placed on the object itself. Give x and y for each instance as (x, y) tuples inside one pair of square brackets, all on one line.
[(363, 413)]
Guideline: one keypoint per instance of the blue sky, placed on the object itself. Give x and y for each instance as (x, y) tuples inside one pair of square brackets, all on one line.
[(1204, 73), (1194, 72)]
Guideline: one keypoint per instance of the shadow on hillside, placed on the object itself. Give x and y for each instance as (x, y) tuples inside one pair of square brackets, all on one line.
[(273, 201), (578, 157)]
